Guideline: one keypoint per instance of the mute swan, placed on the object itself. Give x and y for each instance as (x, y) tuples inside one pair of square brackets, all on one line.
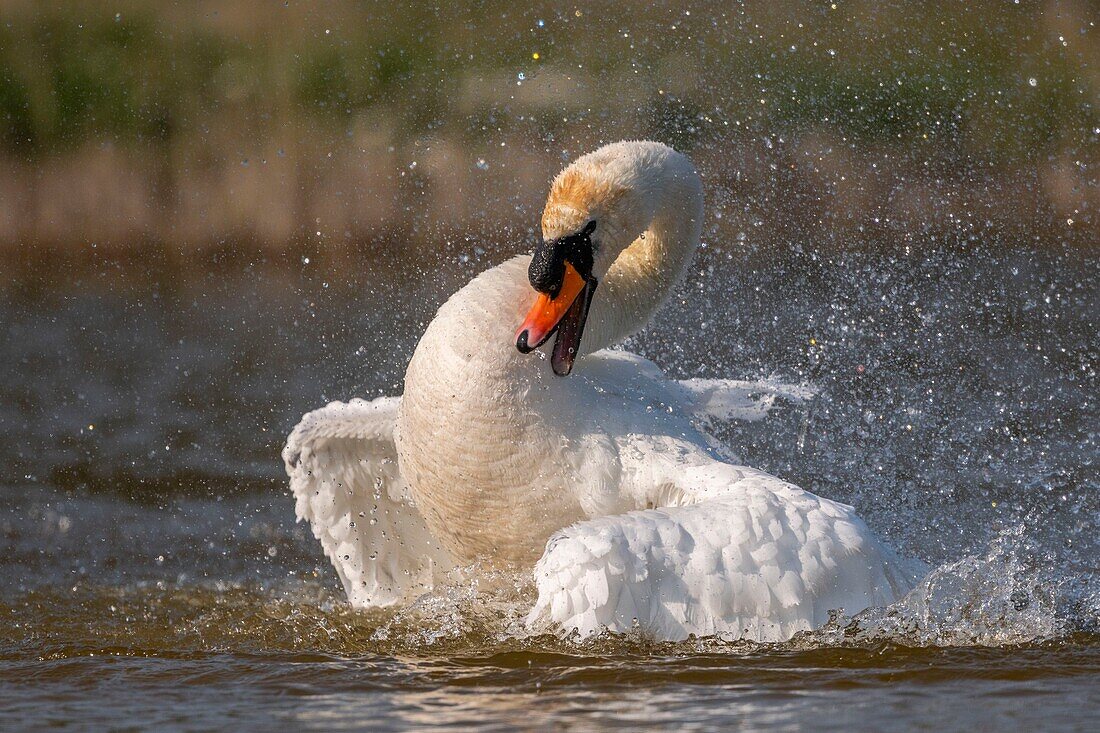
[(602, 480)]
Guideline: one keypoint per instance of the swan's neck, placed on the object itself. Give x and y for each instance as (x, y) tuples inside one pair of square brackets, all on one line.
[(473, 335), (648, 270)]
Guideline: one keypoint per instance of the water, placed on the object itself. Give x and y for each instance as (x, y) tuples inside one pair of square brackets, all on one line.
[(151, 573)]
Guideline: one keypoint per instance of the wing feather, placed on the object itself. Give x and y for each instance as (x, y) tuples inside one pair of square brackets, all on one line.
[(344, 474), (733, 399), (749, 556)]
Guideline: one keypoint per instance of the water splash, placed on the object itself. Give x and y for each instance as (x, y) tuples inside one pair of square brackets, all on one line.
[(1008, 595)]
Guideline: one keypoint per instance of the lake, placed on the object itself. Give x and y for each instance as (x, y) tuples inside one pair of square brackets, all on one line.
[(152, 574)]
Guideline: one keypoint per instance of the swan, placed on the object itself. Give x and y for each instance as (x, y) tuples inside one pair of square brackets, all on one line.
[(522, 440)]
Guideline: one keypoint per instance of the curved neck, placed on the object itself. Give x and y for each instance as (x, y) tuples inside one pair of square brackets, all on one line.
[(648, 270)]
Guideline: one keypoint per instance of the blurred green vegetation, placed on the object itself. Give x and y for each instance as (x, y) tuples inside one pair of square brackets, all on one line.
[(949, 86), (72, 72)]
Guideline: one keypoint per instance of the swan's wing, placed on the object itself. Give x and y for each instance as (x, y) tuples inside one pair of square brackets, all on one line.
[(733, 399), (731, 551), (344, 475), (626, 375)]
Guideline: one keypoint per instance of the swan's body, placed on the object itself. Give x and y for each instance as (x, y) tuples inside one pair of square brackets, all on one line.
[(489, 454)]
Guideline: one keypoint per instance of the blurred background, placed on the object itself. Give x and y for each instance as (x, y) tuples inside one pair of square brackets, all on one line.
[(187, 131)]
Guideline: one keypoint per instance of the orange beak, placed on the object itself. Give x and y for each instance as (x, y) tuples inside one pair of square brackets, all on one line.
[(548, 312)]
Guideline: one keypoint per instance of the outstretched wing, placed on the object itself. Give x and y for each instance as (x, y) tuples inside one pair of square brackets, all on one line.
[(734, 399), (342, 463), (627, 375)]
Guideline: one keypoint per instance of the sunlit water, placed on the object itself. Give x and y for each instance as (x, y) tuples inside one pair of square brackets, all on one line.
[(151, 572)]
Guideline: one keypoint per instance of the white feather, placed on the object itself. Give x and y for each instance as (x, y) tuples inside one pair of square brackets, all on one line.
[(344, 475), (757, 559)]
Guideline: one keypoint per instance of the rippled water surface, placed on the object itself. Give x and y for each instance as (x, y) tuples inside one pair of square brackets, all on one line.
[(151, 573)]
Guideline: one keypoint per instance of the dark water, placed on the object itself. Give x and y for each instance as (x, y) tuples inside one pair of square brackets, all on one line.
[(151, 574)]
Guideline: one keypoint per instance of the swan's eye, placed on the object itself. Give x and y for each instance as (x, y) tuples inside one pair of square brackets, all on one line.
[(589, 228), (548, 261)]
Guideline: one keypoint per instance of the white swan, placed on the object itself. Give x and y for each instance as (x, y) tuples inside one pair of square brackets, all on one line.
[(491, 456)]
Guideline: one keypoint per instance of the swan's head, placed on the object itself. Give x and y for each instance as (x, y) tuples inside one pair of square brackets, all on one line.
[(597, 207)]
